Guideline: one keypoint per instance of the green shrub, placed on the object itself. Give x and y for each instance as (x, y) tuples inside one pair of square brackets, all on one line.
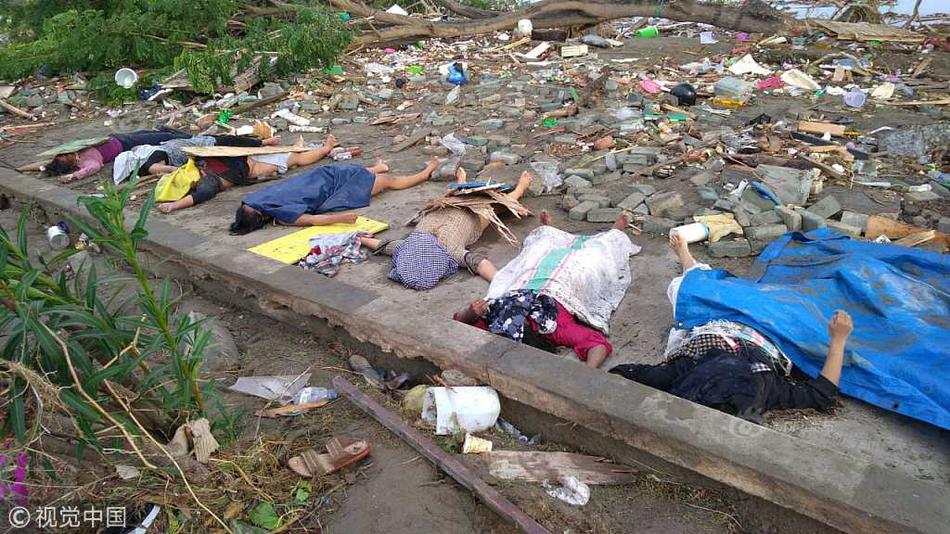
[(66, 37)]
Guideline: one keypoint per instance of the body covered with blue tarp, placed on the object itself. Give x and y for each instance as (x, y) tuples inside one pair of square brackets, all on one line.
[(897, 358)]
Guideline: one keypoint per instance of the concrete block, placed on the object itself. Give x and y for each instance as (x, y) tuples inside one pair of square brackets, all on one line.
[(658, 225), (733, 248), (765, 217), (678, 214), (702, 178), (943, 225), (725, 204), (587, 174), (630, 168), (858, 220), (605, 177), (569, 202), (645, 189), (632, 201), (492, 124), (846, 229), (565, 139), (921, 196), (708, 195), (661, 202), (810, 221), (825, 207), (766, 232), (751, 198), (579, 212), (474, 140), (642, 209), (603, 215), (790, 218), (505, 157), (576, 181), (601, 200)]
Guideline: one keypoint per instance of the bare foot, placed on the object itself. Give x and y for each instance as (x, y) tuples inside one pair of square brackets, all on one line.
[(681, 248), (622, 222), (461, 176), (545, 218), (330, 142), (525, 180), (271, 141)]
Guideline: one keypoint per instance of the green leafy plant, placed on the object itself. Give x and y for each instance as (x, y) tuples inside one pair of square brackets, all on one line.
[(69, 344), (205, 37)]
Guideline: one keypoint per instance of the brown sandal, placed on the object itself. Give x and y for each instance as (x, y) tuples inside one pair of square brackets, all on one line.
[(342, 451)]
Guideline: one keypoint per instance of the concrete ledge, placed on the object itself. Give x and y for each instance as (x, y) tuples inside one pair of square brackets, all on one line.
[(842, 491)]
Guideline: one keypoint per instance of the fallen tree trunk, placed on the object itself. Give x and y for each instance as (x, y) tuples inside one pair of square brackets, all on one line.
[(753, 16)]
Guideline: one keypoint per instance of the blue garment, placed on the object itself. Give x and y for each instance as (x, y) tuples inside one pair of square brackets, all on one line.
[(899, 298), (336, 187), (420, 262)]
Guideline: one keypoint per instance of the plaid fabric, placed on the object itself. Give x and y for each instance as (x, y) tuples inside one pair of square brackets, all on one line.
[(420, 262)]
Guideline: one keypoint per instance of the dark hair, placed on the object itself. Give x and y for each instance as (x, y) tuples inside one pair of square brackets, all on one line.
[(246, 220), (60, 166)]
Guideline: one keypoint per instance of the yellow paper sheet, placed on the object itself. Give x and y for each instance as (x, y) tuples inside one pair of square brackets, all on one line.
[(291, 247)]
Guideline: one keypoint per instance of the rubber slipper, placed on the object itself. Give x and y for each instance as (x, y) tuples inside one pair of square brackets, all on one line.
[(341, 452), (379, 250)]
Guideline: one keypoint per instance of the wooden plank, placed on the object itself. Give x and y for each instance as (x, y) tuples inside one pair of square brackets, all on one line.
[(917, 238), (863, 31), (237, 151), (878, 226), (454, 467), (938, 102), (530, 466), (413, 139), (821, 128)]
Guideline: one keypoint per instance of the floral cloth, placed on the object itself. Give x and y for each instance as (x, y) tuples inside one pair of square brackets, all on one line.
[(508, 314)]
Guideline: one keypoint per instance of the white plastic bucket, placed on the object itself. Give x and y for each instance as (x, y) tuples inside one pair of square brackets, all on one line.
[(461, 409), (525, 27), (693, 233), (126, 77)]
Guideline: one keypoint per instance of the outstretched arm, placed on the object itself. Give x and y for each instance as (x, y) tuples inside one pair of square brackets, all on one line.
[(839, 328), (324, 219)]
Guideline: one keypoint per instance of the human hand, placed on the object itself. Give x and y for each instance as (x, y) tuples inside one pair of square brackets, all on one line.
[(840, 326), (480, 307), (165, 207)]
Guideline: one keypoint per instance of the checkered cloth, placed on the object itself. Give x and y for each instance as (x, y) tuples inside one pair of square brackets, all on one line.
[(420, 262)]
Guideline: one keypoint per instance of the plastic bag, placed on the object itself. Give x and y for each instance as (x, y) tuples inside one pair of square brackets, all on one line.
[(572, 491), (550, 178), (175, 185)]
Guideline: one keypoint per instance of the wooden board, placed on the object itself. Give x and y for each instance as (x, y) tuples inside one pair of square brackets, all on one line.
[(863, 31), (821, 127), (529, 466), (878, 226), (237, 151)]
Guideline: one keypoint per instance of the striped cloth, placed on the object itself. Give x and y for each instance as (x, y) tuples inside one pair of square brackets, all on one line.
[(420, 262)]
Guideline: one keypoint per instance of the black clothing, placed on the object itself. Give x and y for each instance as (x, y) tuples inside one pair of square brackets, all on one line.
[(742, 383)]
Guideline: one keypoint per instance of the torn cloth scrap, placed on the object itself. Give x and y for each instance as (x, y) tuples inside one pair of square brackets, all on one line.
[(329, 251)]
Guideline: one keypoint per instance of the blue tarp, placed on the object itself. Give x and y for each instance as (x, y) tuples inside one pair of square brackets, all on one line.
[(897, 358)]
